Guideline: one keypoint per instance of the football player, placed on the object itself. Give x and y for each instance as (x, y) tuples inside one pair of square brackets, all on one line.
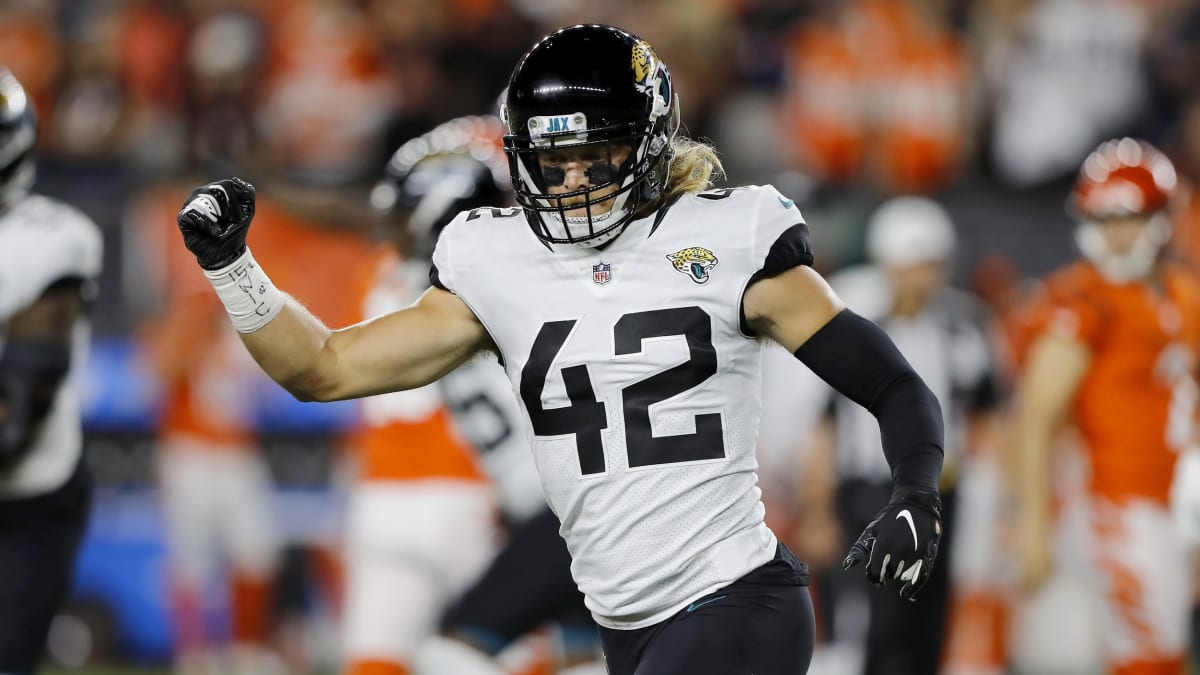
[(1115, 355), (455, 167), (49, 258), (628, 303)]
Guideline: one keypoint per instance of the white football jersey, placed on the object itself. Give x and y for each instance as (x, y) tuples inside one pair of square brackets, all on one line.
[(640, 386), (42, 241)]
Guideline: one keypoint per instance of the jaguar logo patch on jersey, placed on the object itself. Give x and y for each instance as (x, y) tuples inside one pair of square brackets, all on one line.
[(694, 261)]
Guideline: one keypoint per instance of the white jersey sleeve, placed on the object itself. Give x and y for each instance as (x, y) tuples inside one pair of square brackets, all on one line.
[(42, 241), (780, 233)]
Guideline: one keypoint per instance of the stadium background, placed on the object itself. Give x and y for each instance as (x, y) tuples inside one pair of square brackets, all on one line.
[(986, 105)]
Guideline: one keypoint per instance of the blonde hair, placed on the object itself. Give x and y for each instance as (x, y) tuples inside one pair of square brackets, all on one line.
[(694, 167)]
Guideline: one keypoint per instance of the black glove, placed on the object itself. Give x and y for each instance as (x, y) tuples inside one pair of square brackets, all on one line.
[(902, 542), (214, 221)]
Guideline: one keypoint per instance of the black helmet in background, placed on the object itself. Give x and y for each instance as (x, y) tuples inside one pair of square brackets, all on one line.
[(430, 179)]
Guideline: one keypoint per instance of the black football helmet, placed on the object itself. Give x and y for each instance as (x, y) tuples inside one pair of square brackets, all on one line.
[(589, 85), (430, 179), (18, 131)]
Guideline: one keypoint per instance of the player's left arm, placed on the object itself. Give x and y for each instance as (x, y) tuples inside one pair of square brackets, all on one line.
[(799, 310)]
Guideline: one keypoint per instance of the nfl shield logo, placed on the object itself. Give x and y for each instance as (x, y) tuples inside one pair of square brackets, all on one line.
[(602, 273)]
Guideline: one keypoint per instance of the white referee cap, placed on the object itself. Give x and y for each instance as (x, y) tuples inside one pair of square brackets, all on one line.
[(908, 231)]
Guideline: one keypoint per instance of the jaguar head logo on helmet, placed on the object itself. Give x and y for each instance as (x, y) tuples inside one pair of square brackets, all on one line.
[(589, 148)]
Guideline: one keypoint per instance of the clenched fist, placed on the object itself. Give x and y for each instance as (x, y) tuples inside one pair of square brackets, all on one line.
[(215, 219)]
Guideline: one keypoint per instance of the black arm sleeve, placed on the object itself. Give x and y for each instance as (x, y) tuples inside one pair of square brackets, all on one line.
[(859, 360)]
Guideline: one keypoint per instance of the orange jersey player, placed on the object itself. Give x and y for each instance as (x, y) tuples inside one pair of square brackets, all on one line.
[(1115, 354)]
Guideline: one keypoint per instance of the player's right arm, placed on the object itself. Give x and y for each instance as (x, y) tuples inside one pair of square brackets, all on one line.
[(1056, 365), (403, 350)]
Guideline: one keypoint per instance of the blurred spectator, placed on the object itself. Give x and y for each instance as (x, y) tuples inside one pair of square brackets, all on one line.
[(1061, 76), (151, 40), (226, 56), (32, 50), (1186, 219), (326, 96), (825, 113), (880, 92), (921, 108), (1173, 51)]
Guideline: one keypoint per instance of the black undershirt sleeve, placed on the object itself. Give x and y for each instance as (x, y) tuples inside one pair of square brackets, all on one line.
[(435, 280), (790, 249), (859, 360)]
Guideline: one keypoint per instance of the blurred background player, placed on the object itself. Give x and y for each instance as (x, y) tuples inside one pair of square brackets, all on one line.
[(421, 521), (459, 166), (910, 243), (1114, 357), (50, 256)]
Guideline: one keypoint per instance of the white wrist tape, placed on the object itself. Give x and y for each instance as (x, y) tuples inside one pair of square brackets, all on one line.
[(247, 293)]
